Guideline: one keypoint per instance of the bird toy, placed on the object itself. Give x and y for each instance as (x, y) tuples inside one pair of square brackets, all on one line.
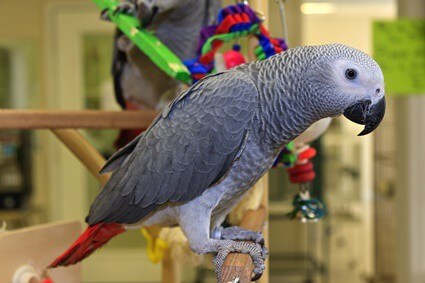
[(234, 21), (158, 52), (307, 209), (299, 166)]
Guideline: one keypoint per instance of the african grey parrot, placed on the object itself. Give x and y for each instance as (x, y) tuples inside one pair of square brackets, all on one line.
[(138, 82), (213, 142)]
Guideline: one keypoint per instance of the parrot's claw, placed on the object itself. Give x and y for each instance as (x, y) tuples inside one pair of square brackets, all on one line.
[(264, 253), (237, 233), (257, 253), (125, 8), (104, 15)]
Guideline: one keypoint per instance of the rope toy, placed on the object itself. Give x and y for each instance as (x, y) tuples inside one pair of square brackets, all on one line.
[(234, 22), (155, 247)]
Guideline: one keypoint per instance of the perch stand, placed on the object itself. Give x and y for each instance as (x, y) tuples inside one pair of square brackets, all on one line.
[(37, 246), (64, 124)]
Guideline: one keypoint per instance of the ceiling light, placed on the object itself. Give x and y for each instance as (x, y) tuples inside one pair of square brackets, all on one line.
[(317, 8)]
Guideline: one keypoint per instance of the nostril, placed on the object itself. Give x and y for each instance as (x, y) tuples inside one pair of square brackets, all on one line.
[(378, 90)]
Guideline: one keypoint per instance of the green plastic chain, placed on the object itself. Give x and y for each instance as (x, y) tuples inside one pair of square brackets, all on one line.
[(290, 156), (149, 44)]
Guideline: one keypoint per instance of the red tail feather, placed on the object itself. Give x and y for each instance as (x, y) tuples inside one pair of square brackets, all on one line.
[(93, 238)]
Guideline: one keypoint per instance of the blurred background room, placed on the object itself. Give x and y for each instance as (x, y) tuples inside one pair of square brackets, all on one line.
[(56, 54)]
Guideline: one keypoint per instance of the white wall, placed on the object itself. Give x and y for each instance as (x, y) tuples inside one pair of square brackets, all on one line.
[(349, 22)]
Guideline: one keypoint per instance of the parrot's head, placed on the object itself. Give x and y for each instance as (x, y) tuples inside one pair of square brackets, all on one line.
[(347, 81), (149, 9)]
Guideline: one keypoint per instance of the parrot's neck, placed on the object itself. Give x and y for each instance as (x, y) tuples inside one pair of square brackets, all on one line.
[(286, 107)]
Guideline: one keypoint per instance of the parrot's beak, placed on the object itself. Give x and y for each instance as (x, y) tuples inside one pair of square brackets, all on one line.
[(366, 113), (147, 14)]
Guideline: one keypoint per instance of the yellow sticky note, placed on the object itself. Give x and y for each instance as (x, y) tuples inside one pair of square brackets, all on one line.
[(399, 48)]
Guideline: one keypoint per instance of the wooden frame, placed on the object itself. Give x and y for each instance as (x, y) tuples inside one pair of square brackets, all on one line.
[(37, 246), (64, 123), (89, 119), (236, 266)]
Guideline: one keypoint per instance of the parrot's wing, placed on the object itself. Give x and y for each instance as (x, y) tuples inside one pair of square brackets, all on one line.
[(118, 157), (188, 148)]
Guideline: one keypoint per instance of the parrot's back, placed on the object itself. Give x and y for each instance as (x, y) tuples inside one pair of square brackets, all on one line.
[(138, 82)]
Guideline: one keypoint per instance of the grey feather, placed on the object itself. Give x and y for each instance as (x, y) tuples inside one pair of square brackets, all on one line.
[(193, 157), (118, 157), (136, 77), (217, 139)]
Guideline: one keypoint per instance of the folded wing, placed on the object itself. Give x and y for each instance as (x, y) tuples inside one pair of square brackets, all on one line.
[(189, 147)]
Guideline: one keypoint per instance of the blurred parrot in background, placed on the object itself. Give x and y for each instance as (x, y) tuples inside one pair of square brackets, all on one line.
[(213, 142), (138, 82)]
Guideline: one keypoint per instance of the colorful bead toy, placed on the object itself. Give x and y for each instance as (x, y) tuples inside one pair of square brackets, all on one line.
[(234, 22)]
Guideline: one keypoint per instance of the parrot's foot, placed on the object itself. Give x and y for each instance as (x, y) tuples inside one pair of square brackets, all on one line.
[(124, 7), (257, 253), (238, 233)]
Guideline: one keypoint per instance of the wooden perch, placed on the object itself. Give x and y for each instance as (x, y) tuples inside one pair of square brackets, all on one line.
[(240, 265), (84, 151), (91, 119), (90, 157), (63, 125), (94, 161)]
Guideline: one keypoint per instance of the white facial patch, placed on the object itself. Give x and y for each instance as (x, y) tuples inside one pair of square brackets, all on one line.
[(363, 86)]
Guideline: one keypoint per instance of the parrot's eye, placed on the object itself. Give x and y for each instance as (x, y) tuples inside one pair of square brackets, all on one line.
[(350, 74)]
